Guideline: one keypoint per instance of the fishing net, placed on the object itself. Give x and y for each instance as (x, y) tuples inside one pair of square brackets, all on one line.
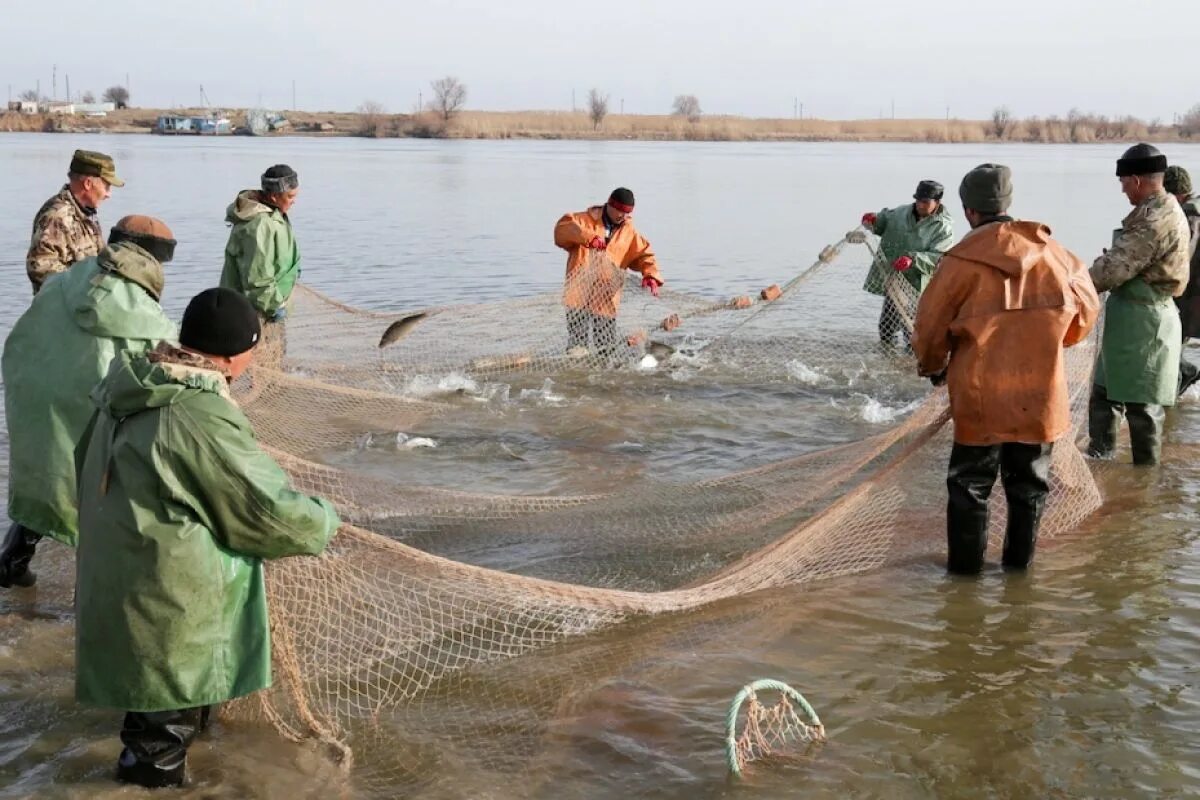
[(459, 608), (768, 729)]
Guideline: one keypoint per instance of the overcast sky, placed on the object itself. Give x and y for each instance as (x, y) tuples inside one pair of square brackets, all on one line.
[(841, 58)]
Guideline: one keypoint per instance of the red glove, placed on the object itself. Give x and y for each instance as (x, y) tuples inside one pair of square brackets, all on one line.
[(868, 220), (652, 284), (902, 264), (598, 243)]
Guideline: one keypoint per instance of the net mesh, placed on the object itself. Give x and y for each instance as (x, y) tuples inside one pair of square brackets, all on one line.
[(769, 729), (446, 623)]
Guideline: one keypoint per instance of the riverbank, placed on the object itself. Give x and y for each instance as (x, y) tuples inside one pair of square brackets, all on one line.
[(549, 125)]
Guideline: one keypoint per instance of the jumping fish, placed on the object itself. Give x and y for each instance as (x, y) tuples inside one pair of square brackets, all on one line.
[(401, 328), (659, 350)]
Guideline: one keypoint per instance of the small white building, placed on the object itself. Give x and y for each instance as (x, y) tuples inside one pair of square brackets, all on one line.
[(23, 106), (58, 107), (95, 109)]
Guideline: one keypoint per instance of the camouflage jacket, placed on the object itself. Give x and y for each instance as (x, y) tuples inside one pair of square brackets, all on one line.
[(63, 233), (1189, 301), (1152, 245)]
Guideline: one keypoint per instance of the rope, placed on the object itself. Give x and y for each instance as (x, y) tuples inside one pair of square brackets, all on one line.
[(748, 692)]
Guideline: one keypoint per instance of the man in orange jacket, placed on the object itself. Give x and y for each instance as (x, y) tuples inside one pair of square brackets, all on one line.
[(992, 325), (593, 286)]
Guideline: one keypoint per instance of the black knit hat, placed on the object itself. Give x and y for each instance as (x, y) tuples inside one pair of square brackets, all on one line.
[(929, 190), (1141, 159), (279, 179), (219, 322), (622, 199)]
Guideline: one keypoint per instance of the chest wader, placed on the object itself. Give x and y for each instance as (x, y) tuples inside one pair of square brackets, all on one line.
[(1137, 372), (1024, 471)]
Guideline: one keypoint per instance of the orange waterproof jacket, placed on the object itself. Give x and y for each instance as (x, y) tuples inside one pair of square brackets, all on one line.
[(628, 249), (1002, 306)]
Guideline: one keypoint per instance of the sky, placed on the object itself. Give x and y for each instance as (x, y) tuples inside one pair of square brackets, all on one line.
[(842, 59)]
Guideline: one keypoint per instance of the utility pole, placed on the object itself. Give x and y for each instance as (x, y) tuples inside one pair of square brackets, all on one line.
[(947, 113), (420, 102), (622, 105), (802, 111), (572, 100), (54, 82), (68, 77)]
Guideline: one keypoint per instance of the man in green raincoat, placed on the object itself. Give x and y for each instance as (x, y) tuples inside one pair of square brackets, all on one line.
[(912, 240), (178, 508), (58, 350), (1178, 182), (262, 261), (1138, 369)]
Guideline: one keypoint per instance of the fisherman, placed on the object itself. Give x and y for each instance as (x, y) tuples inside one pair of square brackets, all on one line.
[(179, 506), (912, 239), (1138, 369), (1178, 182), (992, 325), (66, 229), (592, 299), (58, 350), (261, 258)]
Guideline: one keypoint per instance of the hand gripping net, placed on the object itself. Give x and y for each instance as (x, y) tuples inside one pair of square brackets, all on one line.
[(446, 626)]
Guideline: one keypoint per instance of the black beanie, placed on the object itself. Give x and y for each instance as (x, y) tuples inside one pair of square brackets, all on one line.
[(219, 322), (1141, 159), (279, 179), (622, 196)]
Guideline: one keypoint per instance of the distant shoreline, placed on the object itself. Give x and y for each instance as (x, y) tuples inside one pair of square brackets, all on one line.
[(566, 125)]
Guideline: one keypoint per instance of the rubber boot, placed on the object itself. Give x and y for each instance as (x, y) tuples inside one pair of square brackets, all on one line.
[(1189, 373), (1025, 472), (15, 554), (156, 744), (966, 540), (1104, 421), (1145, 432), (969, 481)]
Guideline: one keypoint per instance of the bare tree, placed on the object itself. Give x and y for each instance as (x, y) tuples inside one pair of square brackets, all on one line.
[(687, 105), (597, 108), (373, 114), (117, 95), (449, 96), (29, 95), (87, 97), (1189, 123), (1001, 121), (1075, 124)]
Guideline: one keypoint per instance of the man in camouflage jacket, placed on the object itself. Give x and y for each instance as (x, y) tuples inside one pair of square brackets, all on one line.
[(66, 229), (1146, 267)]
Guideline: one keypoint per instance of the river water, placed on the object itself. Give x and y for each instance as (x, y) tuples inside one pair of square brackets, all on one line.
[(1078, 679)]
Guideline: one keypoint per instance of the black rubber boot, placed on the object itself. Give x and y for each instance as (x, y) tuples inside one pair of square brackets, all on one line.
[(15, 554), (156, 744), (969, 480), (1104, 421), (1189, 373), (1025, 471), (1145, 432)]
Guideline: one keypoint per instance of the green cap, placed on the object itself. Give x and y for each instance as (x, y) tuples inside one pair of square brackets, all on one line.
[(97, 165), (987, 189), (1177, 181)]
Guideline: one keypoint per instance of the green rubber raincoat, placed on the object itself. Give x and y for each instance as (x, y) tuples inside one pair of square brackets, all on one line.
[(261, 258), (59, 349), (178, 508), (902, 234)]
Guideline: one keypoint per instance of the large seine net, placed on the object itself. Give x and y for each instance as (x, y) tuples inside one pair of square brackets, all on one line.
[(448, 625)]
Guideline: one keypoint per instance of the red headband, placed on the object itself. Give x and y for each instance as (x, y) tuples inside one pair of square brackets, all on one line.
[(624, 209)]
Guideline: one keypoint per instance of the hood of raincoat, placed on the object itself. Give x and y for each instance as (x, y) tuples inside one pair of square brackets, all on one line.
[(166, 376), (246, 206), (1014, 249), (96, 307)]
